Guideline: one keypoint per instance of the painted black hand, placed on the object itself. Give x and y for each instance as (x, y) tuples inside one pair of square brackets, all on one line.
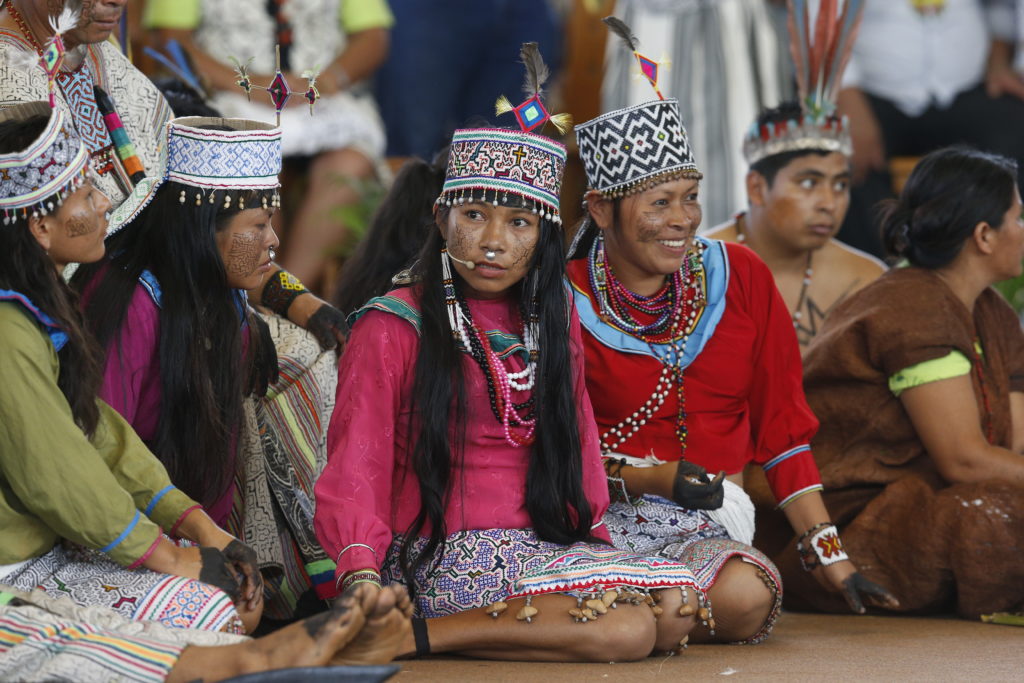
[(693, 490), (857, 587), (216, 570), (243, 562), (329, 327)]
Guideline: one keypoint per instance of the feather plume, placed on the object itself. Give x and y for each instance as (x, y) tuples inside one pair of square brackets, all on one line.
[(21, 60), (311, 75), (66, 20), (821, 54), (536, 70), (241, 69), (563, 122), (619, 28), (849, 24), (797, 21), (502, 106)]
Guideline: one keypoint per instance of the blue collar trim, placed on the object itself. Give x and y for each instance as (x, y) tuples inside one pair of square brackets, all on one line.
[(57, 336), (716, 268)]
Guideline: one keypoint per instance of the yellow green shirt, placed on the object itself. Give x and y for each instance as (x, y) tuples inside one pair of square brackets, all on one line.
[(108, 493), (354, 16)]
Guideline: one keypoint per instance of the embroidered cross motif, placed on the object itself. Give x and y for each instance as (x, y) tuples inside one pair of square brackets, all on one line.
[(519, 153)]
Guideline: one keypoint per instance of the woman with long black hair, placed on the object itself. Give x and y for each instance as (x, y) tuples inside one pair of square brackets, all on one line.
[(189, 362), (462, 458), (82, 501)]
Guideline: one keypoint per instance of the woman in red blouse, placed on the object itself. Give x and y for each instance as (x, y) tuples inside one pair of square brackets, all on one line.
[(692, 365)]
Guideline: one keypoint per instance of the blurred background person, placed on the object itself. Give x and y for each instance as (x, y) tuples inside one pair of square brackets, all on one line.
[(924, 75), (346, 40)]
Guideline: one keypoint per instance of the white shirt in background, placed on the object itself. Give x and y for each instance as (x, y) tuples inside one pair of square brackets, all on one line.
[(916, 61)]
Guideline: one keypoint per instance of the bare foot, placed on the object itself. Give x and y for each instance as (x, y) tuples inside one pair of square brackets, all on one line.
[(387, 627), (311, 642)]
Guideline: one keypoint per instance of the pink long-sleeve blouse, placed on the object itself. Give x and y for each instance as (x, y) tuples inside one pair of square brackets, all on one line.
[(368, 491)]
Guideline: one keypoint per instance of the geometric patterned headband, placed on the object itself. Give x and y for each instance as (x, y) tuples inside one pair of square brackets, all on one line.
[(218, 163), (516, 163), (635, 148), (36, 180)]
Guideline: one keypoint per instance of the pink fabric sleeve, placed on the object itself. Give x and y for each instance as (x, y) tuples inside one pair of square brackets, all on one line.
[(133, 362), (595, 482), (354, 492)]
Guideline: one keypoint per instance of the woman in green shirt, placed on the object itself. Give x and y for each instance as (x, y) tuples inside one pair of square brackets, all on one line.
[(83, 503)]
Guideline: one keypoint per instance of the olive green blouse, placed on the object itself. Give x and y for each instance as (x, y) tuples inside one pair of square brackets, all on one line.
[(109, 492)]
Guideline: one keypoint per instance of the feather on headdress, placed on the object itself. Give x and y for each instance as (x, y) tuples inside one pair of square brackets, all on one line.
[(531, 113), (820, 54), (648, 67)]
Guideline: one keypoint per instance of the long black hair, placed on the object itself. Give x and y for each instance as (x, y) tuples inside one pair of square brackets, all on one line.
[(26, 268), (947, 194), (204, 373), (555, 498), (396, 233)]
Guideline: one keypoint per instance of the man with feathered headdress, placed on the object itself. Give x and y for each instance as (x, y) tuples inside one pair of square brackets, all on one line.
[(798, 182)]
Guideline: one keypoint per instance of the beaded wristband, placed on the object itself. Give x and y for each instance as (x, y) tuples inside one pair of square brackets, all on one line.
[(823, 549), (281, 290), (362, 576)]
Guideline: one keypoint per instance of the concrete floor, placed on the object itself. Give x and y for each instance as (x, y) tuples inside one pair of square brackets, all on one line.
[(802, 647)]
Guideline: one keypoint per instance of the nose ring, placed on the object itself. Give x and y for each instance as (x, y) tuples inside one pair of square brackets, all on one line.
[(490, 255), (273, 253)]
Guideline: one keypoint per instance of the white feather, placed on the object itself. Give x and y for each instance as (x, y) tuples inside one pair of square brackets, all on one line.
[(21, 60), (67, 20)]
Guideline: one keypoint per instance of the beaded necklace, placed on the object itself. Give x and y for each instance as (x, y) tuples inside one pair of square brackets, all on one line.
[(741, 237), (687, 280), (500, 382), (616, 301)]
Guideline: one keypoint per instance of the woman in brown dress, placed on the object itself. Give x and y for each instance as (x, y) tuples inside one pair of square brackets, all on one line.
[(918, 381)]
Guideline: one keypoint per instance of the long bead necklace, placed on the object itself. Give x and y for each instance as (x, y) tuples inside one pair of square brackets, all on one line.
[(687, 308), (798, 313), (500, 382)]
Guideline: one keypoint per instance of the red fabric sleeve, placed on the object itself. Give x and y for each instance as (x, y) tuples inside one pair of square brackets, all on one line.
[(782, 423)]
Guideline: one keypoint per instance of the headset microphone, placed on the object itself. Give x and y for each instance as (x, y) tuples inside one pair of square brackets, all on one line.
[(469, 264)]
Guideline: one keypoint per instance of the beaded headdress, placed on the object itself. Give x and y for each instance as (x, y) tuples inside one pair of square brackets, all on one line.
[(820, 56), (219, 164), (630, 150), (37, 179), (502, 162)]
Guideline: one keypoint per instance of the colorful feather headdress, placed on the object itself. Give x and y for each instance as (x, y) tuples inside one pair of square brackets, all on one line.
[(648, 67), (820, 54)]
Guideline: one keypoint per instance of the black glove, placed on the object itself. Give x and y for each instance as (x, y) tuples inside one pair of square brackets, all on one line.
[(329, 327), (693, 490), (856, 587)]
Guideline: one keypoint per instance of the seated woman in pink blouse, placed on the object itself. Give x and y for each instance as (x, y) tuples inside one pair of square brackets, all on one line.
[(462, 453)]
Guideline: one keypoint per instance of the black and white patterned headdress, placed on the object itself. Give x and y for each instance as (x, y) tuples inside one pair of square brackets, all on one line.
[(630, 150)]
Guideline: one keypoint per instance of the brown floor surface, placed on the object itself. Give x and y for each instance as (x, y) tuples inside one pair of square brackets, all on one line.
[(803, 647)]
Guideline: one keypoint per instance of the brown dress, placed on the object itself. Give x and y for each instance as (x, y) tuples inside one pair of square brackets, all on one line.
[(936, 546)]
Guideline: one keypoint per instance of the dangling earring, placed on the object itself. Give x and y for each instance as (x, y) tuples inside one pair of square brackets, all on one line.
[(451, 300)]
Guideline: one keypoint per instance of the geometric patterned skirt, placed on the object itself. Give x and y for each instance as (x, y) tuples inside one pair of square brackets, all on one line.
[(88, 577), (653, 525), (477, 568)]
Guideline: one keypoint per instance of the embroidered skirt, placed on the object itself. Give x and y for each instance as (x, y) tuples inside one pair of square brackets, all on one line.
[(43, 638), (478, 568), (652, 525), (90, 578)]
